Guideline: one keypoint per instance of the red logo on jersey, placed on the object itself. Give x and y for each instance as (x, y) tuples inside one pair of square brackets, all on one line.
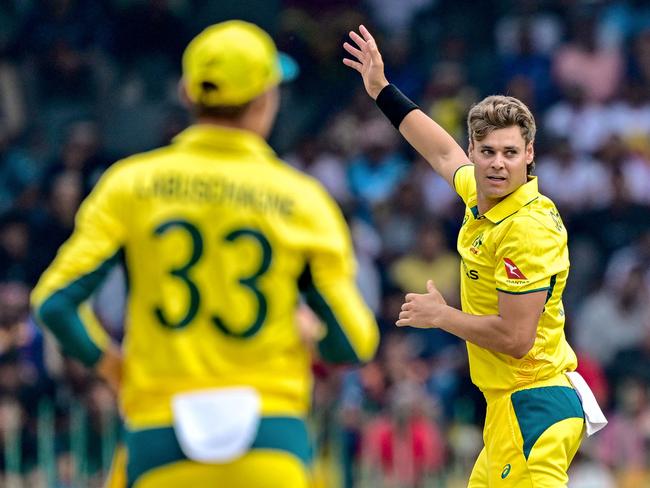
[(513, 272)]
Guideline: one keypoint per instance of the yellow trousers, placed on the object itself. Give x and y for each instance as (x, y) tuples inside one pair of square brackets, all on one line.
[(530, 436), (279, 457)]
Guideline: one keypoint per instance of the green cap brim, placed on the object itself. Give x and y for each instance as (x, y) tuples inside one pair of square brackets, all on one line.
[(288, 67)]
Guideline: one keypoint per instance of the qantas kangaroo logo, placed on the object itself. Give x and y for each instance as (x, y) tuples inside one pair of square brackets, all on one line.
[(513, 272)]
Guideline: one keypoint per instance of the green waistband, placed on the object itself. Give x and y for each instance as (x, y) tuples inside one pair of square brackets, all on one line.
[(151, 448)]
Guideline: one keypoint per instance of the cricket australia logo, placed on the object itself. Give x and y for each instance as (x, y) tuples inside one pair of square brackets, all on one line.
[(478, 242), (557, 220), (512, 271)]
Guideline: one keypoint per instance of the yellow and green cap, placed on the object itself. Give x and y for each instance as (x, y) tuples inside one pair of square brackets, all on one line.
[(231, 63)]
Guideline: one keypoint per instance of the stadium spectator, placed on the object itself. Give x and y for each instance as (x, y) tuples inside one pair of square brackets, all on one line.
[(52, 224), (399, 219), (574, 182), (82, 153), (149, 40), (526, 18), (530, 66), (18, 174), (430, 256), (615, 318), (621, 222), (13, 110), (583, 63), (316, 158), (576, 119), (404, 446), (448, 96), (16, 263), (376, 172), (67, 40), (624, 444)]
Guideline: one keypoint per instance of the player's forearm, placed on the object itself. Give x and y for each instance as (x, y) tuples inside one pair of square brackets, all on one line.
[(351, 335), (60, 302), (428, 138), (60, 315), (487, 331), (350, 326)]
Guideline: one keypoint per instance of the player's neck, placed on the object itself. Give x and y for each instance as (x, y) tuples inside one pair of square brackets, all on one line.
[(238, 124), (484, 203)]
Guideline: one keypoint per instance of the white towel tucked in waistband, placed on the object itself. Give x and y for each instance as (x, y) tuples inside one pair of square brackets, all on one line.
[(594, 417), (216, 425)]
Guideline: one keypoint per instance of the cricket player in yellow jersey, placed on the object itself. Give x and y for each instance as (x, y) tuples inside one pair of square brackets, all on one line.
[(219, 239), (514, 266)]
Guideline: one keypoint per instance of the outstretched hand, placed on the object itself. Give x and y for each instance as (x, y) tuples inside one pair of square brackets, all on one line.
[(368, 61), (422, 310)]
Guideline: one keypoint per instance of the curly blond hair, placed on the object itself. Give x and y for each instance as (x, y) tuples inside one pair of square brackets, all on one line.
[(500, 112)]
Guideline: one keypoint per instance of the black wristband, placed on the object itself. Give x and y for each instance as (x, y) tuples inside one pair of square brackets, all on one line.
[(394, 104)]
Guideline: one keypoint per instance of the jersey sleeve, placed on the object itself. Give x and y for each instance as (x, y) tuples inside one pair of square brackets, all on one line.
[(528, 257), (60, 298), (464, 183), (329, 287)]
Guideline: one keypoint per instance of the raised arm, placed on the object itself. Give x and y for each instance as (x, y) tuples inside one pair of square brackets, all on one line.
[(434, 143)]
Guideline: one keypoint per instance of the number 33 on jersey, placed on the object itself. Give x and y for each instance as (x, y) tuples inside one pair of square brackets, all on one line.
[(219, 238)]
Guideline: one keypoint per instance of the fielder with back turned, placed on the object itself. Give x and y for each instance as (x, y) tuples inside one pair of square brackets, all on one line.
[(219, 238)]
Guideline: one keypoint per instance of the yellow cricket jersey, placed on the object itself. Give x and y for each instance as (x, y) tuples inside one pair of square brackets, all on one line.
[(518, 246), (218, 238)]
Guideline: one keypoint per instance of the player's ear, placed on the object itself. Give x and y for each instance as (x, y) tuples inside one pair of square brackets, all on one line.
[(182, 94), (530, 153), (470, 148)]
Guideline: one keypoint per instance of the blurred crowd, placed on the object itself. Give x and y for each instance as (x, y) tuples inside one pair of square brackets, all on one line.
[(85, 82)]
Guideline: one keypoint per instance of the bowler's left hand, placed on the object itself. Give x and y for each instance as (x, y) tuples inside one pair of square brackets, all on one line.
[(422, 310)]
